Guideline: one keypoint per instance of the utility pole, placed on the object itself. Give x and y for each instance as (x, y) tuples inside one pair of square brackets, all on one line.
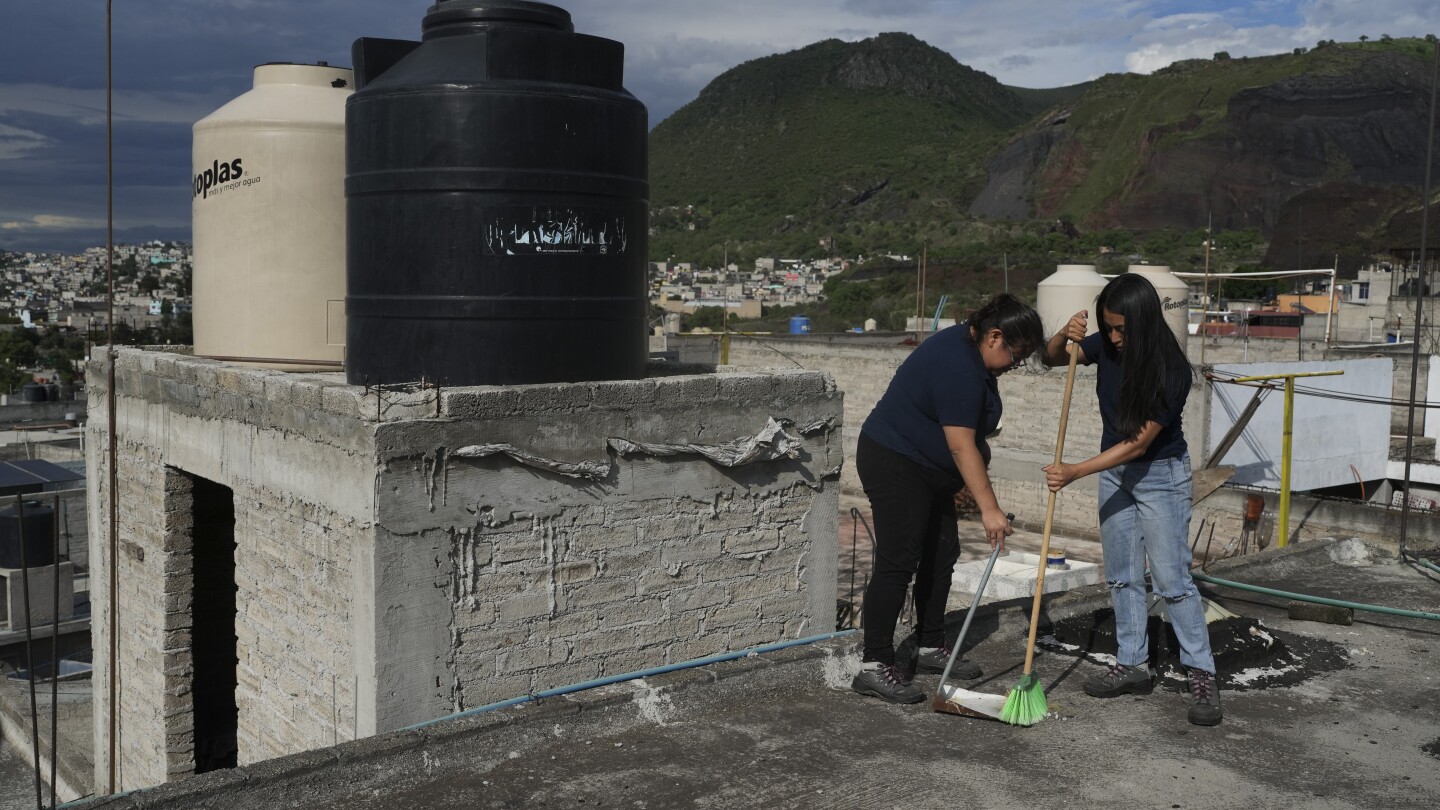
[(1205, 295)]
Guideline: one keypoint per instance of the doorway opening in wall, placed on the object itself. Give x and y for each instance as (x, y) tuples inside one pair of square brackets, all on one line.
[(212, 629)]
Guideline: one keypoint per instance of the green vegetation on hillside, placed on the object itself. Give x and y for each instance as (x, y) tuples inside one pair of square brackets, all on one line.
[(868, 144), (881, 146)]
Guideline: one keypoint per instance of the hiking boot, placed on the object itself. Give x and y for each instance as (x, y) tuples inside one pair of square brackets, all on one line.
[(887, 682), (1121, 680), (934, 659), (1205, 690)]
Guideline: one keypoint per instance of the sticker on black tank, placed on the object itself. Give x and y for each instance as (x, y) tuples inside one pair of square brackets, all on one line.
[(540, 230)]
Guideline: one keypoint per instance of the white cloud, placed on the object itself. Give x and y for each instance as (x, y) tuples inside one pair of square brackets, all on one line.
[(51, 222), (87, 106), (16, 142)]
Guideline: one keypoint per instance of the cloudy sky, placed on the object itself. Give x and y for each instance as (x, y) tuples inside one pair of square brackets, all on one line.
[(176, 61)]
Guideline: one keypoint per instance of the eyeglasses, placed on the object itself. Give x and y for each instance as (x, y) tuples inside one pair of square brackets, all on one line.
[(1015, 362)]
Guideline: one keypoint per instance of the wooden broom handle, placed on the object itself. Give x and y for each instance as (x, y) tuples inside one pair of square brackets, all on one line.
[(1050, 509)]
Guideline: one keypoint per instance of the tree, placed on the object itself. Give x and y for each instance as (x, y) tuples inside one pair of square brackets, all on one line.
[(705, 318), (1364, 39), (12, 377), (1222, 56), (17, 347)]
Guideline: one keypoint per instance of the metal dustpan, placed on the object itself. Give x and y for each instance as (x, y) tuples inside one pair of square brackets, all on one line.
[(953, 699)]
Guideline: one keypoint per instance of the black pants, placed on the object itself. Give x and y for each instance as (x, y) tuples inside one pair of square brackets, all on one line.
[(913, 507)]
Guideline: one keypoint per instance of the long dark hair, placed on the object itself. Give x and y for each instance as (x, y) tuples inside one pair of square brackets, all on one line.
[(1018, 323), (1153, 363)]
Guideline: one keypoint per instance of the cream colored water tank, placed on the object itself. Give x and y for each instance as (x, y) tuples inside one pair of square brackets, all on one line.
[(268, 208), (1071, 288), (1174, 297)]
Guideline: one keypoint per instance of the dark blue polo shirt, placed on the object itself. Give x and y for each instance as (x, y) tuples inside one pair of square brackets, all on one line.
[(943, 382), (1170, 442)]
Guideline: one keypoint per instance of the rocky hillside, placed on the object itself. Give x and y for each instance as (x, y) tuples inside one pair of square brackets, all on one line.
[(1323, 152), (888, 143)]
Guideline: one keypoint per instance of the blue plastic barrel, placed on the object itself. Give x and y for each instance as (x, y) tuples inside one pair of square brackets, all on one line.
[(799, 325)]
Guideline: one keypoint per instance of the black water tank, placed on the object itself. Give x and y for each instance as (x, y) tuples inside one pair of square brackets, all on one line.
[(38, 527), (496, 203), (33, 392)]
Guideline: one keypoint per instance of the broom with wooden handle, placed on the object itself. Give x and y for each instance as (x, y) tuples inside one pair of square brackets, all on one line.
[(1025, 705)]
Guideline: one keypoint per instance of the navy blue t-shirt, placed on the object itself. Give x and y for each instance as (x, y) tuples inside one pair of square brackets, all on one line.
[(1170, 442), (943, 382)]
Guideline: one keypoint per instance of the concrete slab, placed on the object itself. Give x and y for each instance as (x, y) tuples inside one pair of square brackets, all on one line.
[(1015, 574), (789, 733)]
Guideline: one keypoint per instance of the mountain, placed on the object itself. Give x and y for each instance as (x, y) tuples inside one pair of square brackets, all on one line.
[(1321, 151), (882, 138), (888, 142)]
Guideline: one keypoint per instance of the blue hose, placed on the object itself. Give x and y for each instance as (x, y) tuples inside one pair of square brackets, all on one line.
[(1319, 600), (630, 676)]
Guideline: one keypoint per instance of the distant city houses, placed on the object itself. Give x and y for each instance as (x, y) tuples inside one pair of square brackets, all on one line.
[(42, 290), (774, 282)]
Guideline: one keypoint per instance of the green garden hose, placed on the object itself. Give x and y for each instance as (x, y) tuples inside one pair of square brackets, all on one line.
[(1319, 600)]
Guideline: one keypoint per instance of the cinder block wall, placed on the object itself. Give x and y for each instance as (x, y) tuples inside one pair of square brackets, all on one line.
[(860, 369), (301, 470), (405, 554), (509, 573)]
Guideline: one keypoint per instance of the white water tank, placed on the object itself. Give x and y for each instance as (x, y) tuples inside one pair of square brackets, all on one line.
[(268, 208), (1071, 288), (1174, 297)]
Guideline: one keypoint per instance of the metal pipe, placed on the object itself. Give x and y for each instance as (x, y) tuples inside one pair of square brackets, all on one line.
[(55, 646), (29, 647), (1319, 600), (1331, 312), (1285, 444), (1419, 304), (1233, 434), (630, 676)]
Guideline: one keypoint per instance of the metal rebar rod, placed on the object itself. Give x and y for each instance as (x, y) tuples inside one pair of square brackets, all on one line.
[(113, 670)]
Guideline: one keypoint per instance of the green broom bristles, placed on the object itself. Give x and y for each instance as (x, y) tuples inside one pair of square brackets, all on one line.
[(1025, 705)]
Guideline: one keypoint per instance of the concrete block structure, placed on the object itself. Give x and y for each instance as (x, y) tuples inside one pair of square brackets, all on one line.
[(303, 561)]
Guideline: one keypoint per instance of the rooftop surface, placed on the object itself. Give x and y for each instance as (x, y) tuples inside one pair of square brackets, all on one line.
[(1345, 716)]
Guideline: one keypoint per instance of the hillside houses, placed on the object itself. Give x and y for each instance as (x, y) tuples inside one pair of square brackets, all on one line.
[(69, 289), (679, 287)]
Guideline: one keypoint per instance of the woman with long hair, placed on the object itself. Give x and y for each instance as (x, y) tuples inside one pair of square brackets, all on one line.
[(1142, 383), (925, 440)]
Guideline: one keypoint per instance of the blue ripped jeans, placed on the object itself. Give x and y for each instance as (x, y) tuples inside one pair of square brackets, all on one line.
[(1145, 512)]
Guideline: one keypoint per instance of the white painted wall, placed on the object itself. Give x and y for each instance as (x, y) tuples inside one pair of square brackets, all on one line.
[(1330, 435), (1432, 394)]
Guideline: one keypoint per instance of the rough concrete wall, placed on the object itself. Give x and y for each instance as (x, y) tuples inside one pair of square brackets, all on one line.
[(862, 370), (148, 615), (863, 367), (497, 578), (296, 680), (1032, 398), (300, 464)]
